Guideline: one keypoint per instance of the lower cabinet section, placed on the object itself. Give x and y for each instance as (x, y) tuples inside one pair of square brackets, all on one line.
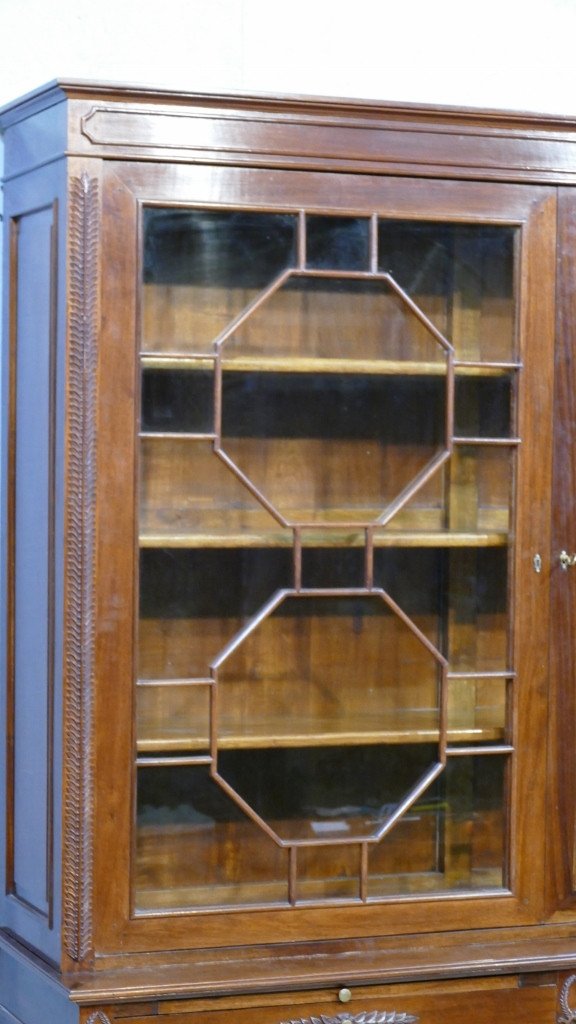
[(532, 999)]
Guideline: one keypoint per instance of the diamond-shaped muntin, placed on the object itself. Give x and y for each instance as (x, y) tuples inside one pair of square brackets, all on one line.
[(379, 829), (412, 309)]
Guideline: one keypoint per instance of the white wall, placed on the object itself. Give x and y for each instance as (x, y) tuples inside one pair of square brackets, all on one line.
[(495, 53)]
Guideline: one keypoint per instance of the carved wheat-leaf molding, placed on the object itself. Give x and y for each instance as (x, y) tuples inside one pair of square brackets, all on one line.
[(364, 1017), (569, 1015), (98, 1017), (80, 530)]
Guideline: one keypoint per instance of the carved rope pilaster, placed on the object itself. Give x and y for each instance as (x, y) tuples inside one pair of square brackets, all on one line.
[(98, 1017), (365, 1017), (79, 600), (568, 1014)]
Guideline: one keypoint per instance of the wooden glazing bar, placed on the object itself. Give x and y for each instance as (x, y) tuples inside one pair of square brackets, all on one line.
[(411, 799), (297, 558), (374, 243), (302, 240), (443, 723), (364, 872), (292, 874), (415, 486), (450, 400), (251, 308), (419, 314), (264, 612), (369, 558), (248, 810), (251, 487)]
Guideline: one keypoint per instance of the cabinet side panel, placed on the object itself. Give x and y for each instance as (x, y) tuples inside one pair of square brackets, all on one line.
[(29, 995), (33, 553)]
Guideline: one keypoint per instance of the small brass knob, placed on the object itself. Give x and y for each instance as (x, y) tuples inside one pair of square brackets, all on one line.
[(344, 995)]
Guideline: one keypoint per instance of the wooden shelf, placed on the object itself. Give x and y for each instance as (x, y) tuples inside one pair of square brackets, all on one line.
[(332, 538), (485, 726), (301, 364), (152, 901)]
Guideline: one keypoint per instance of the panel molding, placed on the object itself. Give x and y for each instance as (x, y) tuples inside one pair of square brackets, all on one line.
[(11, 885)]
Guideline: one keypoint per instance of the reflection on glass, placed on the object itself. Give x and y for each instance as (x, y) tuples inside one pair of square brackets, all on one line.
[(323, 793), (453, 838), (195, 848), (350, 670), (202, 267), (462, 276)]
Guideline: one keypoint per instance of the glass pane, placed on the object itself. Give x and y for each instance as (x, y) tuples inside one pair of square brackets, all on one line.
[(483, 407), (462, 276), (177, 401), (477, 711), (332, 447), (451, 839), (315, 548), (351, 670), (173, 719), (188, 609), (195, 848), (457, 596), (328, 873), (202, 267), (189, 496), (312, 317), (329, 567), (478, 637), (337, 243), (470, 495), (324, 792)]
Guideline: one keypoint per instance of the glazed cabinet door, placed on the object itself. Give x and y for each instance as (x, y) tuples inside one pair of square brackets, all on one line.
[(323, 475)]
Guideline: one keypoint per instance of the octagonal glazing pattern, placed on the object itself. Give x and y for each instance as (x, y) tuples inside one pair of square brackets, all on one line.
[(335, 398), (339, 681)]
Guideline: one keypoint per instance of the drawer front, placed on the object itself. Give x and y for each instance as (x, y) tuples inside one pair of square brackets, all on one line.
[(483, 1001)]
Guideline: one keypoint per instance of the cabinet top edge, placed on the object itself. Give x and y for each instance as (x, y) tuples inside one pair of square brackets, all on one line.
[(65, 89)]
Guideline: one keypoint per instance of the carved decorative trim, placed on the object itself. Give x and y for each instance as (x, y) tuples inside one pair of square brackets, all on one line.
[(80, 537), (569, 1015), (365, 1017), (98, 1017)]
